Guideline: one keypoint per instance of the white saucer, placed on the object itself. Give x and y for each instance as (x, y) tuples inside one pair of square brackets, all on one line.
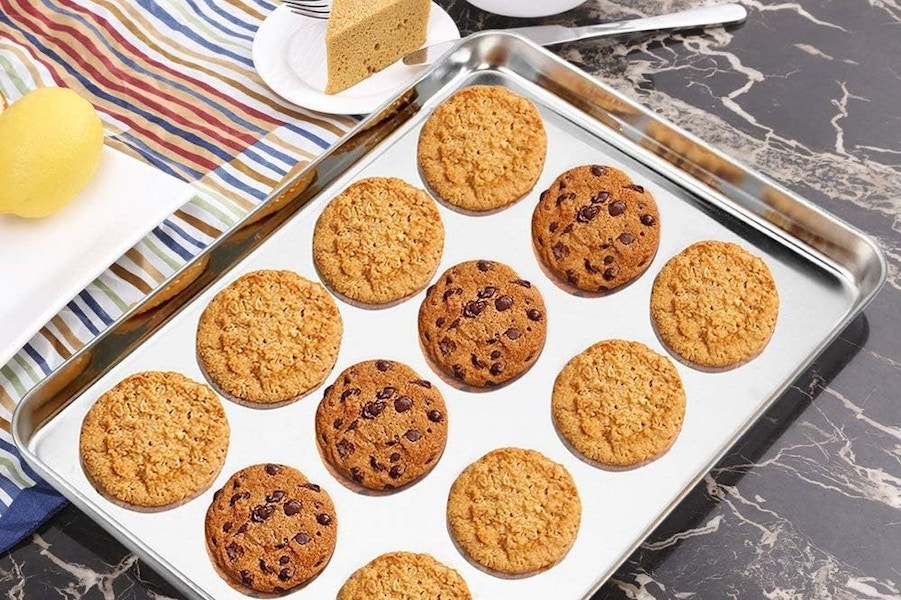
[(289, 55)]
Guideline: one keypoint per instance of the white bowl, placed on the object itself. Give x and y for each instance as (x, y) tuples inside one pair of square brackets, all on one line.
[(526, 8)]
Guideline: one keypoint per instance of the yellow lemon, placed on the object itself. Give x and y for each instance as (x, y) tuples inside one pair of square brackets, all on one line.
[(50, 143)]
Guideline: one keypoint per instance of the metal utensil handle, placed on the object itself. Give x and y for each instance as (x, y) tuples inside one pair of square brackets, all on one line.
[(722, 14)]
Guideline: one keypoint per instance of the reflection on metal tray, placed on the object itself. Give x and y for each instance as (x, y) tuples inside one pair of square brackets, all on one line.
[(826, 273)]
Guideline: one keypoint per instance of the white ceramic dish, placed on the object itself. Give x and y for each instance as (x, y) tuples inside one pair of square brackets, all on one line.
[(532, 8), (289, 55), (46, 262)]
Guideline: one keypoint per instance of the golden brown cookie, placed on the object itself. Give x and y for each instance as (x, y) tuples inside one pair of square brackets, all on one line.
[(269, 529), (269, 338), (380, 425), (514, 511), (619, 404), (482, 325), (595, 229), (715, 305), (404, 576), (155, 440), (378, 241), (483, 148)]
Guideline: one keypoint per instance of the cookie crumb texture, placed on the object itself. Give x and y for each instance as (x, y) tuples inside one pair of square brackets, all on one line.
[(514, 511), (269, 529), (155, 439), (381, 425), (405, 576), (269, 337), (595, 229), (715, 305), (483, 148), (619, 403), (379, 241), (481, 324)]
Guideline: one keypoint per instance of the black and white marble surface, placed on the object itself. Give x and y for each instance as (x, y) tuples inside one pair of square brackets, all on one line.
[(808, 505)]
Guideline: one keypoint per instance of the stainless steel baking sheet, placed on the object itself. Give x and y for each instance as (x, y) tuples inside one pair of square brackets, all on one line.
[(825, 271)]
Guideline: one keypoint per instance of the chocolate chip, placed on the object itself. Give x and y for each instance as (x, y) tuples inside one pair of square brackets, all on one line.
[(513, 333), (447, 294), (396, 471), (572, 277), (600, 197), (553, 227), (458, 371), (496, 369), (608, 259), (227, 526), (448, 280), (311, 486), (286, 574), (324, 519), (292, 507), (338, 423), (534, 314), (422, 383), (383, 365), (395, 456), (413, 435), (626, 238), (485, 265), (522, 283), (435, 416), (439, 322), (503, 303), (473, 308), (543, 195), (273, 469), (246, 577), (350, 392), (403, 404), (610, 273), (568, 228), (597, 170), (375, 464), (487, 292), (476, 362), (275, 496), (559, 250), (328, 390), (636, 187), (454, 325), (495, 354), (587, 213), (344, 447), (353, 425), (564, 197), (303, 538), (373, 409), (385, 393), (648, 220), (356, 474), (264, 567), (237, 497), (447, 346), (283, 560), (616, 208), (261, 512)]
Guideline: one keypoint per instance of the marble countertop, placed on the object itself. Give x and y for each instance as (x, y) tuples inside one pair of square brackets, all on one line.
[(808, 504)]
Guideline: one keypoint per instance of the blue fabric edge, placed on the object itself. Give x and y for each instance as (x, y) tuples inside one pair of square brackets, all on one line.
[(30, 509)]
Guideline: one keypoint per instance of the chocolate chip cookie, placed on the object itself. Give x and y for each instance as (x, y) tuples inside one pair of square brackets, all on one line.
[(379, 241), (482, 325), (619, 403), (404, 576), (594, 229), (269, 529), (715, 305), (381, 426), (269, 338), (483, 148), (154, 440), (514, 512)]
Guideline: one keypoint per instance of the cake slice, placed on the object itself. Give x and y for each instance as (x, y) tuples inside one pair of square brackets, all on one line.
[(365, 36)]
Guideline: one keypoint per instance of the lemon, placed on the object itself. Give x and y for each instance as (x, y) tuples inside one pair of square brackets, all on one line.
[(50, 144)]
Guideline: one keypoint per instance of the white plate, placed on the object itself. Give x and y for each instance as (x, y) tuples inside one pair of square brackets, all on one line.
[(45, 262), (289, 55)]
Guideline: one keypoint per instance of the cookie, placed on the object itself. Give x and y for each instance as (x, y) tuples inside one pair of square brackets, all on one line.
[(379, 241), (595, 229), (269, 529), (380, 425), (404, 576), (483, 148), (715, 305), (155, 440), (482, 325), (514, 512), (269, 338), (619, 404)]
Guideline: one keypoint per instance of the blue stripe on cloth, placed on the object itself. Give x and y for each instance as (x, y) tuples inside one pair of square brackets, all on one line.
[(29, 349), (240, 185), (214, 4), (169, 224), (217, 24), (23, 466), (308, 135), (171, 244), (30, 507), (76, 310), (156, 159), (95, 306)]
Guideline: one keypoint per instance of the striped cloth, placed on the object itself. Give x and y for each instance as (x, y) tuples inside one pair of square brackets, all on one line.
[(175, 86)]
